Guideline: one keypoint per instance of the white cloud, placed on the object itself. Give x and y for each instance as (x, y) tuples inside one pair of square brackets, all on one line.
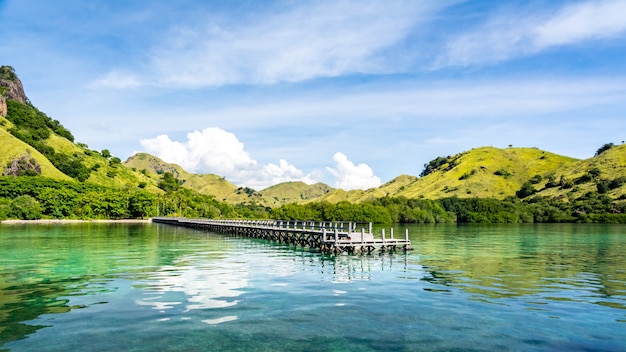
[(116, 79), (214, 150), (168, 150), (583, 21), (288, 42), (511, 35), (349, 176)]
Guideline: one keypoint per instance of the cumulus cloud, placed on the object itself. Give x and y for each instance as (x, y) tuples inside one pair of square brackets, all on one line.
[(349, 176), (214, 150), (511, 35)]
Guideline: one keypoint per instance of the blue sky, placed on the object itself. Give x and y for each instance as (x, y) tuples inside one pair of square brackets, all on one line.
[(350, 93)]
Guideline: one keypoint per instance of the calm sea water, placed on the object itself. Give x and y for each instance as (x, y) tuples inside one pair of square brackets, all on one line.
[(99, 287)]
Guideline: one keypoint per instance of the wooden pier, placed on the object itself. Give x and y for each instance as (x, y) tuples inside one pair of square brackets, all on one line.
[(326, 236)]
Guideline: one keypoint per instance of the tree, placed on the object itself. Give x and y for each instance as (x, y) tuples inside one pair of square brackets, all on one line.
[(169, 183), (604, 148), (434, 164), (141, 204), (26, 208)]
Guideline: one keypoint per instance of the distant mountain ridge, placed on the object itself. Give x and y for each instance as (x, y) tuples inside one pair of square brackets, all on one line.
[(485, 172)]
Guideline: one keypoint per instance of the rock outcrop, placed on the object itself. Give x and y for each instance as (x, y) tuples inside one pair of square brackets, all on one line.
[(3, 106), (10, 88)]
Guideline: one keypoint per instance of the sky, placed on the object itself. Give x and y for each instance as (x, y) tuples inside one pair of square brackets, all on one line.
[(350, 93)]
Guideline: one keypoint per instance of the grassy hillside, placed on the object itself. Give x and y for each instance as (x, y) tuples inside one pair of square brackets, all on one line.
[(486, 173), (576, 179), (105, 171), (294, 192), (26, 130), (208, 184), (13, 148), (392, 188)]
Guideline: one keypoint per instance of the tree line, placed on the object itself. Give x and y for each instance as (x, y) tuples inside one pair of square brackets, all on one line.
[(35, 197), (593, 207)]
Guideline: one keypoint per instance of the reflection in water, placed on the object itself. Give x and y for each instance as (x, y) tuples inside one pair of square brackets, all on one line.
[(171, 288), (540, 262), (205, 285)]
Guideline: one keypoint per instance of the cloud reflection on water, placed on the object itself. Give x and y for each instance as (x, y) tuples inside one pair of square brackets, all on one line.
[(203, 284)]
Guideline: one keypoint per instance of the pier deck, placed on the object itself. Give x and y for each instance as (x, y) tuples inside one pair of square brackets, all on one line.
[(327, 237)]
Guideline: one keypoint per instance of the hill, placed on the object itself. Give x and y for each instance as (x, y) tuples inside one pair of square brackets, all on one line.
[(208, 184), (604, 173), (294, 192), (14, 149), (35, 144), (484, 172)]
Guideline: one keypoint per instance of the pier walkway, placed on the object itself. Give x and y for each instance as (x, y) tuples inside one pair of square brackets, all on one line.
[(326, 236)]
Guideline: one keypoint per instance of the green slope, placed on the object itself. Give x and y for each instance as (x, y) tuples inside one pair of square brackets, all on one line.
[(480, 172), (576, 179), (105, 171), (209, 184), (486, 172), (393, 188), (294, 192), (13, 148)]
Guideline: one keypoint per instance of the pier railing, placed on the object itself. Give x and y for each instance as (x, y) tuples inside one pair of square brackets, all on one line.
[(327, 236)]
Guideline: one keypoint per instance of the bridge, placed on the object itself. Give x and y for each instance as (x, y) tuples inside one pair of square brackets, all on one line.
[(333, 237)]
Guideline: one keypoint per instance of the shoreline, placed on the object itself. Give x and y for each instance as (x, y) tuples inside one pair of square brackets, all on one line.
[(72, 221)]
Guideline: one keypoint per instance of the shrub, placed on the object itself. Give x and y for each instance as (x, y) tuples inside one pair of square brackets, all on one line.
[(617, 182), (526, 190), (467, 175), (502, 172)]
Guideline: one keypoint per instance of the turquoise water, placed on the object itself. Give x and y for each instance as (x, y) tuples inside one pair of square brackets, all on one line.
[(146, 287)]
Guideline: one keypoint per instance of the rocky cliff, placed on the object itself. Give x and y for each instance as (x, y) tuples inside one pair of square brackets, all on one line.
[(10, 88)]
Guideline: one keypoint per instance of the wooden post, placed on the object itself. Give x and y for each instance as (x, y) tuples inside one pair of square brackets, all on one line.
[(336, 235), (391, 233), (362, 231), (406, 235), (370, 230), (383, 235)]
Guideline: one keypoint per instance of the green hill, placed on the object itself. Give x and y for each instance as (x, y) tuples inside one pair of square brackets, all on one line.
[(208, 184), (294, 192), (221, 189), (25, 131), (14, 149), (485, 172), (393, 188), (605, 172)]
